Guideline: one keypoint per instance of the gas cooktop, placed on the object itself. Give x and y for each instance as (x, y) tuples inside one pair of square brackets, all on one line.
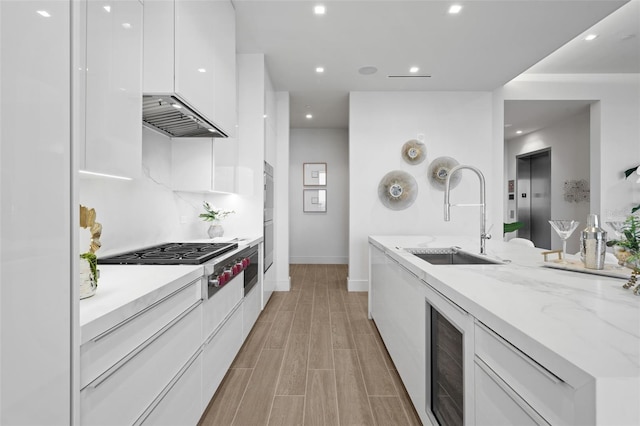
[(170, 254)]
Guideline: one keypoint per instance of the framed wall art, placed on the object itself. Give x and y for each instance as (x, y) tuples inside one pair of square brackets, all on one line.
[(315, 174), (314, 201)]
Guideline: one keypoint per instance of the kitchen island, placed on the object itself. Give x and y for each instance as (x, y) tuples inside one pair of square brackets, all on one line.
[(579, 332)]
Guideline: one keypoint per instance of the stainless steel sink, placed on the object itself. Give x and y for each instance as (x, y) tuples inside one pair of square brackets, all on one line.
[(451, 256)]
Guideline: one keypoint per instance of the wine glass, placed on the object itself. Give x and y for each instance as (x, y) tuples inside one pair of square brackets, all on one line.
[(564, 229), (618, 227)]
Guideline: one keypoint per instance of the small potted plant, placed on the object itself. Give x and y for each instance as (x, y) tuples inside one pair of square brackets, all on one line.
[(214, 215), (628, 249)]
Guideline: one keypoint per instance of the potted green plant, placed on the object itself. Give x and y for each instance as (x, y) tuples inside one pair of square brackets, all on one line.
[(628, 252), (214, 215)]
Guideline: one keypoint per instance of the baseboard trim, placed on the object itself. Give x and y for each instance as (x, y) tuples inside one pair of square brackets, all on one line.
[(357, 285), (316, 260), (283, 285)]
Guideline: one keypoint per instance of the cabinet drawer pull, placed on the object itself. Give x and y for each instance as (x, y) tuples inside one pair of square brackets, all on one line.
[(224, 321), (531, 412), (117, 366), (148, 308), (546, 373), (167, 388)]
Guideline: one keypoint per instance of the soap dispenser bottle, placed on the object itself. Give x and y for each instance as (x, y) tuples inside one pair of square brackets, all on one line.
[(593, 244)]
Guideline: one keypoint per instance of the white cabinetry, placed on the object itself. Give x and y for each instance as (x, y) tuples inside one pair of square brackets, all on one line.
[(507, 386), (222, 334), (203, 164), (181, 404), (113, 116), (251, 310), (190, 50), (219, 351), (537, 393), (132, 368), (397, 305), (36, 152)]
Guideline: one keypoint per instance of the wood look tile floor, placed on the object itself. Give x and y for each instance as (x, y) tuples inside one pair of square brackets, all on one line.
[(312, 358)]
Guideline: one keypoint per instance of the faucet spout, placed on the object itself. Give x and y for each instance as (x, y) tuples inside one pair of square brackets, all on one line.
[(483, 206)]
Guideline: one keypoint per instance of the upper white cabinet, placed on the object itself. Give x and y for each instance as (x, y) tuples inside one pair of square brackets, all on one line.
[(204, 164), (113, 71), (189, 50)]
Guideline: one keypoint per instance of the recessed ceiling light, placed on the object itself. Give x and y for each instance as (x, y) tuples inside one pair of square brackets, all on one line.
[(319, 70), (176, 106), (309, 116), (414, 70), (319, 10), (126, 25), (591, 37), (202, 70), (107, 8), (368, 70), (518, 132), (212, 130), (44, 13), (455, 8)]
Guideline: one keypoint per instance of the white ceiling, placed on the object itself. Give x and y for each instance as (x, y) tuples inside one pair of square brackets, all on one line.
[(530, 116), (485, 46)]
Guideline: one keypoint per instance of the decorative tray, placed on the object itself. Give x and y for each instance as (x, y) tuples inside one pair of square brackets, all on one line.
[(609, 270)]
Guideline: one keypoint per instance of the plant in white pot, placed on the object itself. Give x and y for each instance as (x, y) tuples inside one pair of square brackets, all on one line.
[(89, 273), (214, 215)]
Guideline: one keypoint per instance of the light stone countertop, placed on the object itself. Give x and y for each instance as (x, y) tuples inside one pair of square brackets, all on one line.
[(125, 290), (572, 323)]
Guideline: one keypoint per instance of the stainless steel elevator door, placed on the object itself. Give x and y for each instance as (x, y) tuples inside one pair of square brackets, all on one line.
[(534, 197)]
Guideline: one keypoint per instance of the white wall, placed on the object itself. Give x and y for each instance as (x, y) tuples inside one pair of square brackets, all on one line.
[(455, 124), (320, 237), (615, 130), (569, 142)]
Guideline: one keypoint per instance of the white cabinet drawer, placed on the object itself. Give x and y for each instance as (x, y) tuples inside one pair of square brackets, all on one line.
[(218, 307), (123, 393), (99, 354), (219, 352), (251, 310), (544, 391), (182, 404), (497, 404)]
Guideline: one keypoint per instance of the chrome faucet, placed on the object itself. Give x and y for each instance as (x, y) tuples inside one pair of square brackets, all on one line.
[(483, 206)]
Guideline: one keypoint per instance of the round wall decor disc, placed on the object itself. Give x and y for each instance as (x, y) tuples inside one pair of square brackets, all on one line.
[(397, 190), (439, 170), (414, 151)]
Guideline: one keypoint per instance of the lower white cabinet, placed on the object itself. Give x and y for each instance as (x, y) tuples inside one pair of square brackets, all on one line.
[(548, 396), (123, 393), (219, 351), (99, 354), (397, 305), (218, 307), (251, 310), (182, 403), (497, 404)]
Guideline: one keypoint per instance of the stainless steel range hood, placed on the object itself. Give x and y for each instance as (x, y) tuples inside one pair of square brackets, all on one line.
[(172, 116)]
